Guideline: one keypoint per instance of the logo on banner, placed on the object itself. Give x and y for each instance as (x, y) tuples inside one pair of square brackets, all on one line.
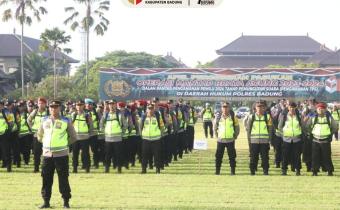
[(117, 88), (206, 2), (135, 2), (331, 84)]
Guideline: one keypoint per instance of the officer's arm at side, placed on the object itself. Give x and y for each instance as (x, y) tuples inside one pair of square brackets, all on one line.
[(30, 119), (237, 128), (125, 125), (271, 131), (71, 133), (140, 126), (40, 133), (161, 125), (215, 127), (195, 117), (334, 126), (308, 125), (90, 122), (101, 124)]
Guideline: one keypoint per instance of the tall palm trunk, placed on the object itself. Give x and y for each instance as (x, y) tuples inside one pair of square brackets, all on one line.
[(55, 75), (88, 48), (22, 61)]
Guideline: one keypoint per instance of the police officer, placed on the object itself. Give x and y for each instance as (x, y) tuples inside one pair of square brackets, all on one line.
[(56, 133), (321, 125), (207, 114), (172, 138), (278, 133), (336, 115), (94, 135), (226, 129), (133, 134), (13, 122), (258, 130), (152, 129), (4, 143), (24, 133), (34, 120), (101, 134), (114, 125), (191, 123), (290, 127)]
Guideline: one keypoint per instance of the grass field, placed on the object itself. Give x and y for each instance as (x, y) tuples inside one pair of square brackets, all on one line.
[(180, 187)]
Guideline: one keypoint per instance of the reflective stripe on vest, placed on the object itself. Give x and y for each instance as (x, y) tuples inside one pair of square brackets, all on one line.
[(112, 127), (321, 129), (191, 117), (151, 130), (37, 120), (207, 114), (292, 127), (335, 115), (259, 129), (80, 125), (225, 128), (94, 120), (3, 124), (55, 135), (23, 125)]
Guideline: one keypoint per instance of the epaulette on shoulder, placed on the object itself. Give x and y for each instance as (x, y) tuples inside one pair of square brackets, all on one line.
[(65, 119), (45, 118), (313, 116)]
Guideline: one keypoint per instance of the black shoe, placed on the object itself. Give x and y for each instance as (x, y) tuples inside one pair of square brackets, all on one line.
[(324, 170), (75, 170), (277, 165), (44, 206), (119, 169), (309, 168), (18, 164), (218, 169), (252, 172), (151, 167), (284, 172), (206, 136), (175, 158), (292, 169), (298, 172), (186, 152), (36, 169), (82, 168), (162, 166), (190, 150), (9, 169), (265, 172), (133, 164), (166, 165), (26, 163), (66, 204), (114, 166), (143, 170), (127, 166), (107, 169), (315, 173), (87, 170), (180, 156), (330, 173), (158, 170), (233, 171), (211, 137)]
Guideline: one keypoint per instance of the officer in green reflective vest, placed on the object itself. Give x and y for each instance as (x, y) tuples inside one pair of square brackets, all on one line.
[(192, 114), (83, 126), (93, 138), (24, 133), (152, 129), (34, 120), (56, 133), (226, 131), (321, 125), (258, 130), (172, 146), (207, 114), (290, 127), (101, 134), (4, 143), (336, 115)]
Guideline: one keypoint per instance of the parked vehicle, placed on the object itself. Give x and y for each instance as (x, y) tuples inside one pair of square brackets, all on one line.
[(242, 111), (218, 108)]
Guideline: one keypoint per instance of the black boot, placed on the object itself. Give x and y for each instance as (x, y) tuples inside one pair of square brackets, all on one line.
[(309, 168), (133, 164), (87, 169), (284, 172), (96, 165), (107, 169), (278, 165), (127, 165), (265, 171), (36, 169), (175, 158), (162, 166), (46, 204), (75, 170), (330, 173), (252, 172), (292, 169), (233, 171), (83, 167), (119, 169), (158, 170), (9, 168), (66, 204), (150, 166), (315, 173), (217, 172), (18, 164), (166, 165), (114, 166), (180, 156), (143, 170), (298, 172)]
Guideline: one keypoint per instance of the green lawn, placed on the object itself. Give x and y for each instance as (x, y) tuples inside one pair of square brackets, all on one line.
[(180, 187)]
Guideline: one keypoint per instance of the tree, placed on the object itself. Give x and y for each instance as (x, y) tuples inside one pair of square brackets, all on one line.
[(21, 15), (277, 66), (205, 66), (51, 40), (87, 22), (35, 68), (300, 65)]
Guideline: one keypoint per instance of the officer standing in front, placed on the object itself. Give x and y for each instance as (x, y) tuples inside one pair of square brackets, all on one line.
[(226, 131), (56, 133), (94, 143), (4, 143), (258, 130), (321, 125), (207, 114)]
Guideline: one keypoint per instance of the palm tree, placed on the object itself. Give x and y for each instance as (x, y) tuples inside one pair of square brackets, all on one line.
[(87, 22), (20, 14), (51, 40)]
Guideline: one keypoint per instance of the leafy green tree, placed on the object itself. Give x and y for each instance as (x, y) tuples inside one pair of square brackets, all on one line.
[(51, 40), (35, 68), (205, 66), (87, 22), (300, 65), (277, 66), (22, 16)]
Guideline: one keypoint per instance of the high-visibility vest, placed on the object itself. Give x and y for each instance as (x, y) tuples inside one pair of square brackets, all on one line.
[(126, 134), (321, 130), (151, 129), (94, 120), (133, 131), (112, 126), (12, 118), (37, 120), (80, 124), (3, 124), (23, 126), (191, 117), (292, 127), (55, 135), (207, 114), (260, 128), (225, 128), (100, 132), (335, 115)]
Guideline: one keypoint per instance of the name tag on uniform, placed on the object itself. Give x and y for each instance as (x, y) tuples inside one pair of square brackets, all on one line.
[(146, 122), (58, 125), (325, 120), (47, 125), (154, 122)]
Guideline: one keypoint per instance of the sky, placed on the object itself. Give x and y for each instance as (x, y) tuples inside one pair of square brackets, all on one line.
[(192, 34)]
